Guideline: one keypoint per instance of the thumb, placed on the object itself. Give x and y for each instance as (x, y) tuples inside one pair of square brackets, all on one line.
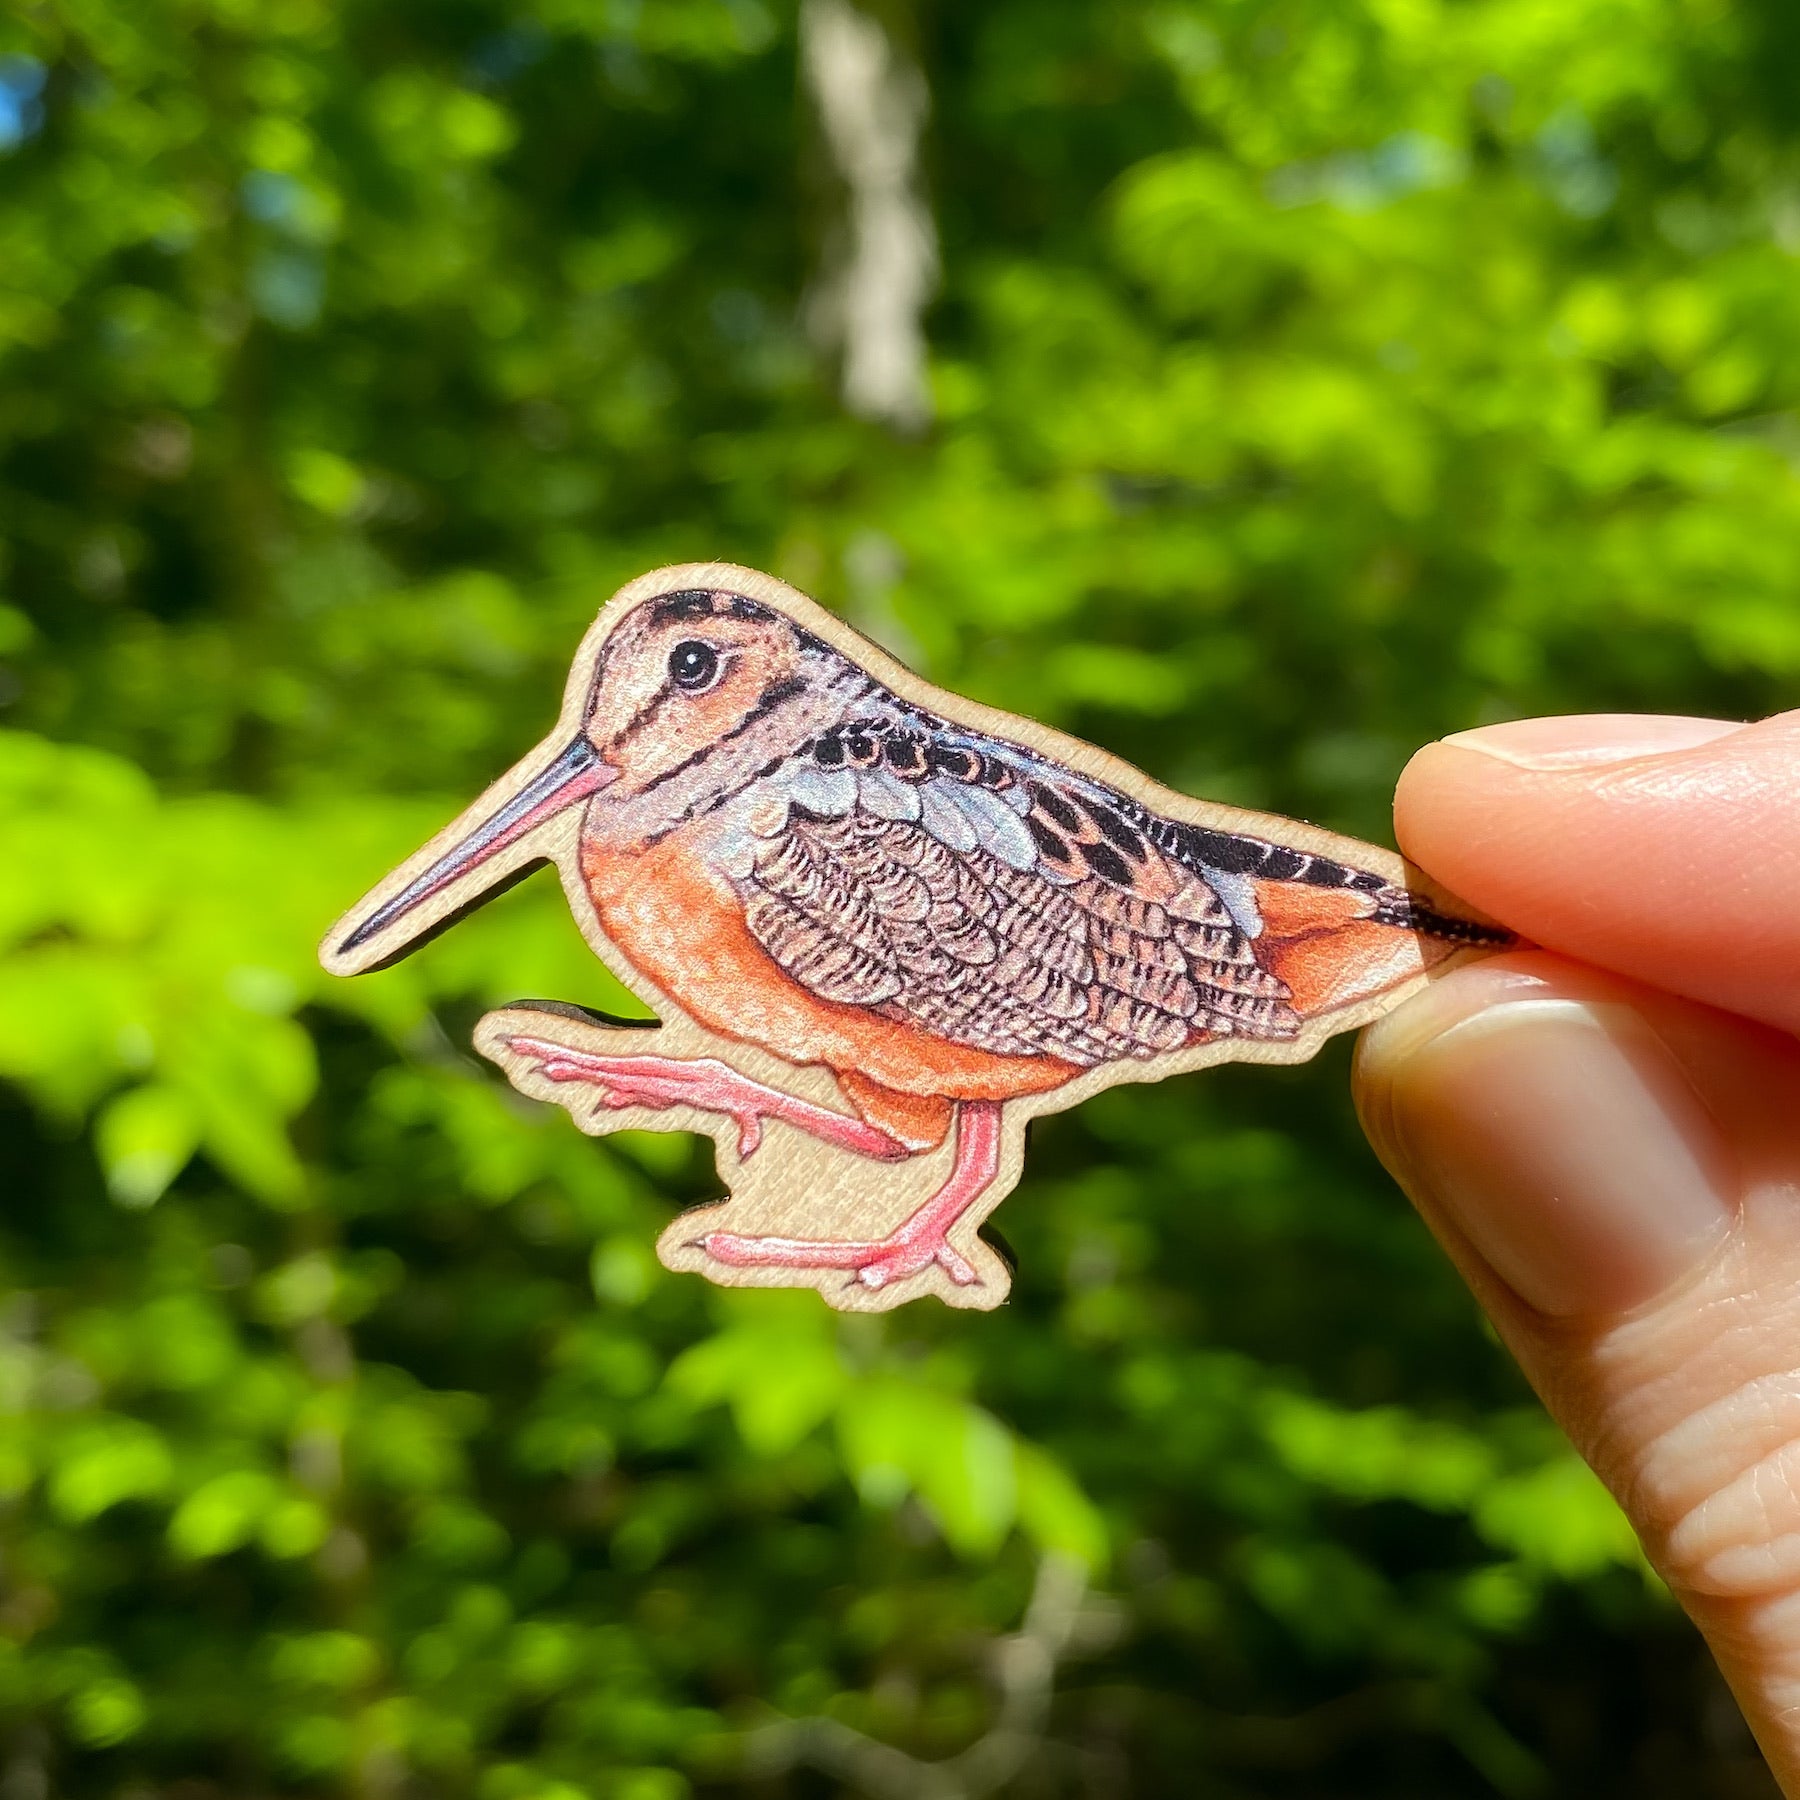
[(1614, 1171)]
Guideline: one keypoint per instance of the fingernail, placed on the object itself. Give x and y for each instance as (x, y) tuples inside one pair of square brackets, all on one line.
[(1562, 1138), (1589, 740)]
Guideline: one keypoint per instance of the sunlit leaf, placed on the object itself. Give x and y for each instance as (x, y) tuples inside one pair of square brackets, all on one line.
[(145, 1138)]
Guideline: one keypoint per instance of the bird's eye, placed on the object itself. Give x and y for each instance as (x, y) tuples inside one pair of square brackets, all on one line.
[(693, 666)]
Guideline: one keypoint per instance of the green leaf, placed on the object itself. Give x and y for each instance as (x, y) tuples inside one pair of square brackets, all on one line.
[(223, 1514), (1055, 1513), (107, 1712), (103, 1463), (780, 1385), (1560, 1519), (145, 1138)]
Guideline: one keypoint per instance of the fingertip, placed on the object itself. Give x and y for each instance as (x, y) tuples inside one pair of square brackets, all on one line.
[(1662, 849), (1493, 770), (1453, 809)]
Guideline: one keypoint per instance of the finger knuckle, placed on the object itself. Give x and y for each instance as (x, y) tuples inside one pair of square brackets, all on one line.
[(1717, 1496)]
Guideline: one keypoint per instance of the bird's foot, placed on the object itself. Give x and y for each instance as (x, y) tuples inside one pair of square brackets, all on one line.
[(913, 1246), (658, 1083), (879, 1264)]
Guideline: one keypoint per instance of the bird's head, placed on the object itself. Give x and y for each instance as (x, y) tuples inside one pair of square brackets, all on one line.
[(699, 678), (689, 693)]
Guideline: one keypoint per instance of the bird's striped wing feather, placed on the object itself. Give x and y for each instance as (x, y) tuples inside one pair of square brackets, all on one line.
[(997, 907)]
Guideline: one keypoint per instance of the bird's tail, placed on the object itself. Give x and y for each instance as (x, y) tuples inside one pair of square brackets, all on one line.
[(1407, 911), (1335, 947)]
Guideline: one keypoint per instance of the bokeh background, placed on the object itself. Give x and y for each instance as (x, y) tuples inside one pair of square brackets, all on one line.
[(1258, 387)]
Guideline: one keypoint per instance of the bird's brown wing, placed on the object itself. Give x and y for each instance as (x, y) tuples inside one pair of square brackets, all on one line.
[(997, 907)]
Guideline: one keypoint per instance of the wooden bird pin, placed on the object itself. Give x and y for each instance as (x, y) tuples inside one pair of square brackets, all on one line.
[(882, 928)]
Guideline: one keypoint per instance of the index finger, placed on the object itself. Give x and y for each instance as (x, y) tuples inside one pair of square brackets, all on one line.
[(1664, 849)]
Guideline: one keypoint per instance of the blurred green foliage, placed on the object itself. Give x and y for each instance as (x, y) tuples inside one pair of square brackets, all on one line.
[(1312, 377)]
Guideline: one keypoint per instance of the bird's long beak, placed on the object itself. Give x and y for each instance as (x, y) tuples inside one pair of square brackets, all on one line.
[(576, 773)]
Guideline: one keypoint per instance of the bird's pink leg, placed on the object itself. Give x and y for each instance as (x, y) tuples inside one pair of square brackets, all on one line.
[(911, 1247), (659, 1082)]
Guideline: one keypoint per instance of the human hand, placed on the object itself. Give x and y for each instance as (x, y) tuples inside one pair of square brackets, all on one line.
[(1604, 1134)]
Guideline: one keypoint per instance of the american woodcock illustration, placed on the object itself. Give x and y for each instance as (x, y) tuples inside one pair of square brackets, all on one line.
[(882, 928)]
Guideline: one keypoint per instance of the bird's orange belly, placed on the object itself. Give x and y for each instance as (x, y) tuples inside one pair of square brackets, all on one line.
[(683, 928)]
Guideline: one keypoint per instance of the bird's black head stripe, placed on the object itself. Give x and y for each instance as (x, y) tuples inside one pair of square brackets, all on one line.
[(704, 603)]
